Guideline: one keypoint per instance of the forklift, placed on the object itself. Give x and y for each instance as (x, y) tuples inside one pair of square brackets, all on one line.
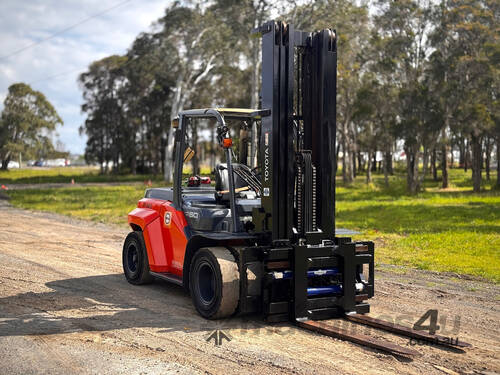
[(262, 240)]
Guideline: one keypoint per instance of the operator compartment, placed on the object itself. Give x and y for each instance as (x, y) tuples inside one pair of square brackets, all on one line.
[(206, 208), (226, 200)]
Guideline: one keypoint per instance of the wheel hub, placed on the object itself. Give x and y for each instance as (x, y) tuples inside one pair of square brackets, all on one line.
[(206, 283), (132, 258)]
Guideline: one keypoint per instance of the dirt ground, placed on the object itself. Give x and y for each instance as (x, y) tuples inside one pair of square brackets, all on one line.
[(65, 308)]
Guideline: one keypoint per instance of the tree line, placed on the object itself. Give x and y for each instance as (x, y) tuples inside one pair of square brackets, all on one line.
[(417, 74)]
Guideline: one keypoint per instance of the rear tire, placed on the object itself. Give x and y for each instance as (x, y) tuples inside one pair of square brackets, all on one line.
[(135, 259), (214, 283)]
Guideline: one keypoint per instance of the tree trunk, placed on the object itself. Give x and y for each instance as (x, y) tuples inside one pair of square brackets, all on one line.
[(388, 161), (133, 164), (374, 162), (169, 156), (350, 167), (344, 161), (412, 170), (347, 170), (5, 163), (6, 160), (444, 166), (452, 157), (369, 169), (386, 169), (425, 163), (360, 161), (467, 156), (184, 88), (461, 156), (353, 163), (476, 162), (488, 157), (498, 162), (444, 155), (336, 165), (433, 164)]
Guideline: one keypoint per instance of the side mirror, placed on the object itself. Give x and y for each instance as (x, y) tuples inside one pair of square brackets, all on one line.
[(188, 154), (175, 123)]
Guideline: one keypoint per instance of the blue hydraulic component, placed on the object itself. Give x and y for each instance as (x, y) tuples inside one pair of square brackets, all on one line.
[(310, 274), (332, 289), (326, 272), (324, 290)]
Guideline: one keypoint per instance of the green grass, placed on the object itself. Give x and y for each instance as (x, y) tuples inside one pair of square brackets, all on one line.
[(65, 175), (37, 175), (106, 204), (454, 230), (451, 230)]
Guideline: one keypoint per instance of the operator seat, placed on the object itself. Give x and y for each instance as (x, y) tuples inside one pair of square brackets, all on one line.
[(222, 180)]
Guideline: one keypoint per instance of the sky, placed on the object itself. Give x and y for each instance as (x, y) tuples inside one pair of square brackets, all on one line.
[(52, 66)]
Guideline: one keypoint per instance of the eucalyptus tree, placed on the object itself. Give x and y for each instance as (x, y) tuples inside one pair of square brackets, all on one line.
[(242, 17), (402, 27), (196, 38), (366, 116), (374, 114), (105, 127), (147, 100), (352, 26), (465, 41), (27, 121)]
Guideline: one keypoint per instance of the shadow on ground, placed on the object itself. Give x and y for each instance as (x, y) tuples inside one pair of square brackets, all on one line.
[(104, 303)]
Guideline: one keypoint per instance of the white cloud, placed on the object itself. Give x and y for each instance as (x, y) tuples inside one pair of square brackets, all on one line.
[(23, 23)]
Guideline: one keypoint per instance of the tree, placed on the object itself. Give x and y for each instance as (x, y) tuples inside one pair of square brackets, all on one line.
[(146, 101), (105, 127), (198, 40), (351, 22), (403, 26), (375, 119), (465, 40), (27, 122), (242, 16)]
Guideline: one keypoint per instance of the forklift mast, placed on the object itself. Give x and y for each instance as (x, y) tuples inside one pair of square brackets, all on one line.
[(297, 144), (329, 276)]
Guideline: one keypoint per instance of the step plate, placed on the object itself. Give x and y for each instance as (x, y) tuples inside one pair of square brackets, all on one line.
[(171, 278)]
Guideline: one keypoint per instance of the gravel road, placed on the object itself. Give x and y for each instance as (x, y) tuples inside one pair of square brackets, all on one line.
[(65, 308)]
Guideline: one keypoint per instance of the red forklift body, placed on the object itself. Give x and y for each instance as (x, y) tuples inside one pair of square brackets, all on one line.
[(164, 234)]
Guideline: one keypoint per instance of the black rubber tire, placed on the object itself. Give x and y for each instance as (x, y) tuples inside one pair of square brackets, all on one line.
[(214, 283), (135, 260)]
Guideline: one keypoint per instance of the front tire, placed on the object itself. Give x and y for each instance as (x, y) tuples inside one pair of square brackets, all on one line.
[(214, 283), (135, 259)]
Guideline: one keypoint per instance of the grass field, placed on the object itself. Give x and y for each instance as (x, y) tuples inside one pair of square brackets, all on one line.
[(38, 175), (453, 230)]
